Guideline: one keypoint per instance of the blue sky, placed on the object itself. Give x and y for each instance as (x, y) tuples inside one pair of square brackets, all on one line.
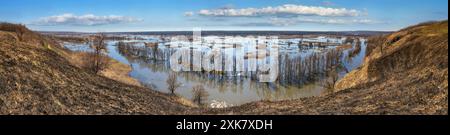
[(159, 15)]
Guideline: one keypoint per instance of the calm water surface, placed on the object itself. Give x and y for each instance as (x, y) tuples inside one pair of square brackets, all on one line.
[(234, 87)]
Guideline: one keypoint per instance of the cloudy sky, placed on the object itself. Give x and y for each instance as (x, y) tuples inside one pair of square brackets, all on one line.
[(173, 15)]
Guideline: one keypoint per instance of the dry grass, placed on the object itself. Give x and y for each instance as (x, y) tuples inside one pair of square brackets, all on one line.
[(22, 33), (115, 70), (119, 72), (36, 79)]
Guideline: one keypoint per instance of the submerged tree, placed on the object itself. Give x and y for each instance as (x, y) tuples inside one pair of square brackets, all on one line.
[(154, 49), (330, 81), (355, 51), (172, 83), (199, 95), (97, 60)]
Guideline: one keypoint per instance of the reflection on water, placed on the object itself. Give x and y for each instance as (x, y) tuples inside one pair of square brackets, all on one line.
[(303, 63)]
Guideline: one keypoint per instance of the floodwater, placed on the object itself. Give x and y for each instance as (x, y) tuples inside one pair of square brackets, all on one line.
[(151, 65)]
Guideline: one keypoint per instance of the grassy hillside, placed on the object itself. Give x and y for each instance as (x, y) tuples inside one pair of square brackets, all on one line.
[(420, 48), (35, 78)]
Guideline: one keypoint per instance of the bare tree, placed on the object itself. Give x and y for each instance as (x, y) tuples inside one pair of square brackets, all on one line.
[(199, 94), (20, 32), (355, 50), (172, 83), (19, 29), (155, 51), (97, 59), (331, 80)]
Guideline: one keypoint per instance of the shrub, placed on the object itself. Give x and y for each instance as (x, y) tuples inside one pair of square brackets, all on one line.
[(199, 95), (330, 81), (97, 60), (172, 83), (19, 29)]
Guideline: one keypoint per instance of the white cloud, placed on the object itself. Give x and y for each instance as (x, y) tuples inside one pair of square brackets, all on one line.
[(297, 21), (88, 19), (288, 9)]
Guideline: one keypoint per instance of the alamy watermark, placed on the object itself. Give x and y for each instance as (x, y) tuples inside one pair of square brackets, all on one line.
[(230, 53)]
